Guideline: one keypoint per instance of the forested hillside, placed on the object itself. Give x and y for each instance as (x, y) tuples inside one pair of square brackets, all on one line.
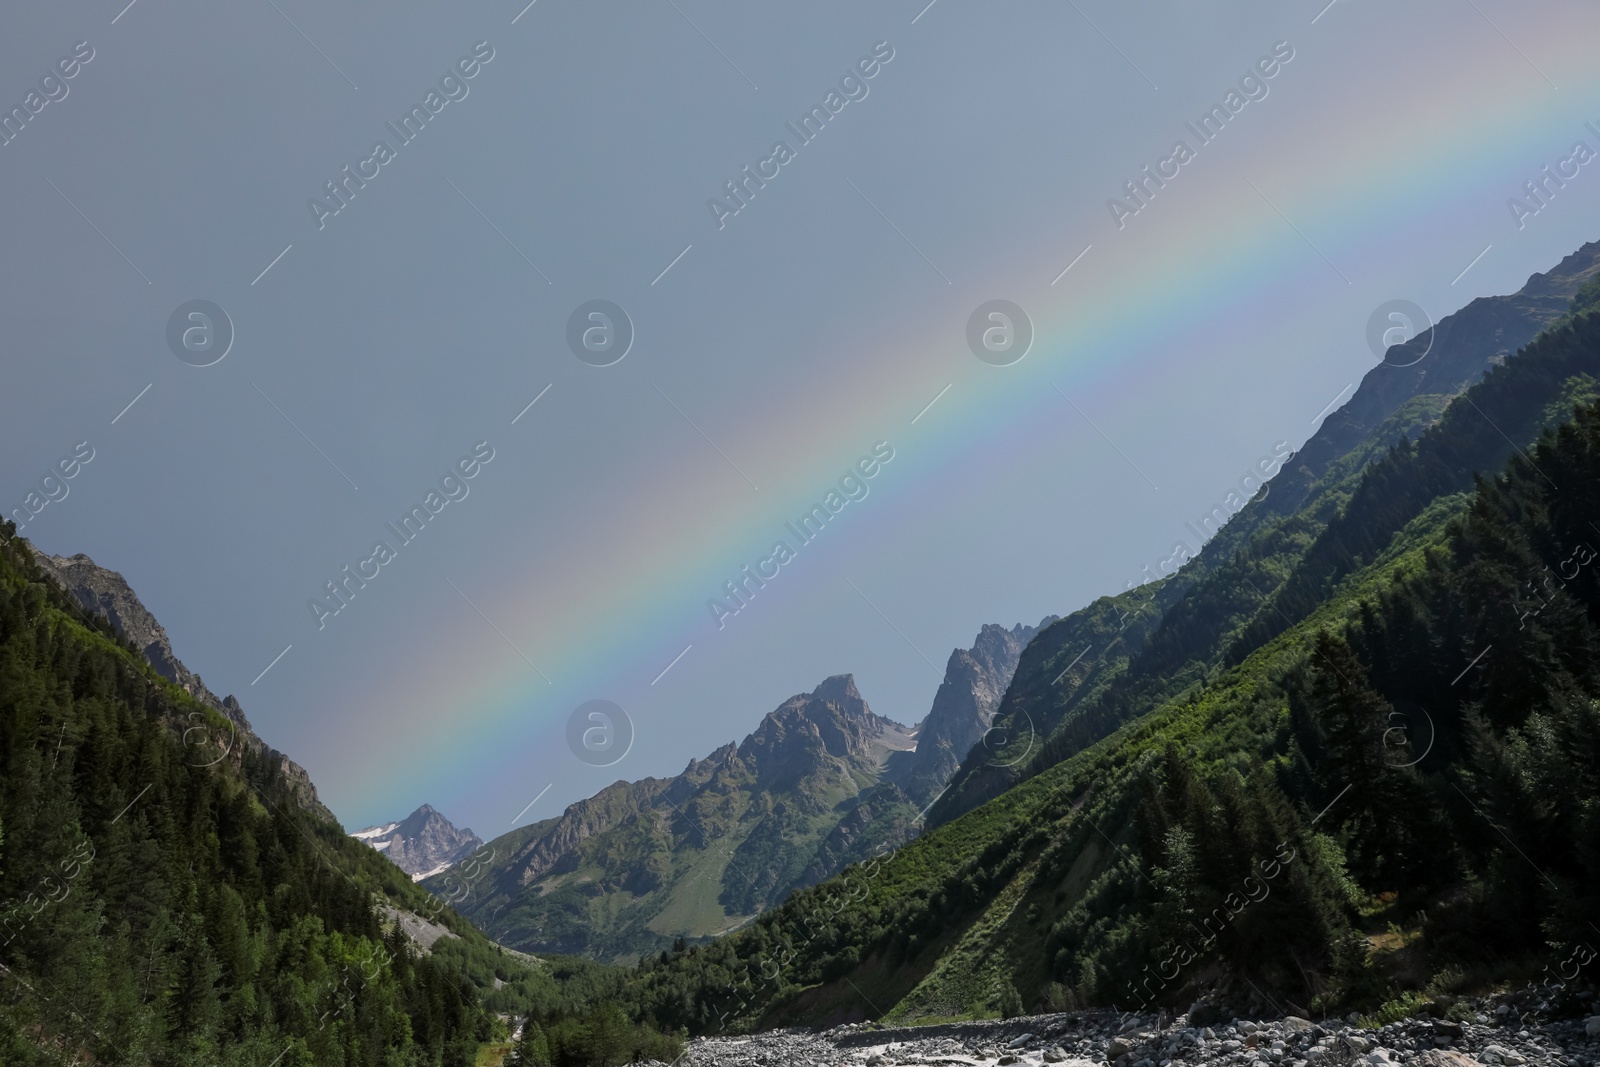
[(1121, 655), (165, 900), (1354, 760)]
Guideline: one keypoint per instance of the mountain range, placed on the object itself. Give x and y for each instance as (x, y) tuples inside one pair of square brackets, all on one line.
[(1345, 760), (820, 783)]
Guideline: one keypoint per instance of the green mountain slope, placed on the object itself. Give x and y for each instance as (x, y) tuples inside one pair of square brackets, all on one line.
[(1148, 644), (171, 893), (642, 864), (645, 865), (1354, 755)]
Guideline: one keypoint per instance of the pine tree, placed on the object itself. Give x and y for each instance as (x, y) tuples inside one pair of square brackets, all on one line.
[(532, 1048)]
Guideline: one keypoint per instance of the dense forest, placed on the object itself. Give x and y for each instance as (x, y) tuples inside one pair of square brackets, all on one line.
[(162, 905)]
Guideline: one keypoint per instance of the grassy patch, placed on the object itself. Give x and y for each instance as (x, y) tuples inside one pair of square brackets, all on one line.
[(493, 1054)]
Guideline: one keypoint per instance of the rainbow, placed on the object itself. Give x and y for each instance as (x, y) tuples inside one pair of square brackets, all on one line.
[(1121, 315)]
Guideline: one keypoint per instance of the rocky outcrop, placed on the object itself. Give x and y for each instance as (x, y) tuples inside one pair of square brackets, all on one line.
[(975, 680), (105, 592), (808, 732), (820, 783), (100, 591)]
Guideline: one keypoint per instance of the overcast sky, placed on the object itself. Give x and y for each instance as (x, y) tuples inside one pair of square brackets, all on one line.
[(579, 152)]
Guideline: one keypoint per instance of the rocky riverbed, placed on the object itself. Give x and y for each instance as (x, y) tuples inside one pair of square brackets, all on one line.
[(1483, 1032)]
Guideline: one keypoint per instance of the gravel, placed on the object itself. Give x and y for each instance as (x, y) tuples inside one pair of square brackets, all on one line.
[(1497, 1033)]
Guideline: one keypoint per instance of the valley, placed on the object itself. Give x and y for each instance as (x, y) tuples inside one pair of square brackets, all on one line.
[(1193, 792), (1212, 680)]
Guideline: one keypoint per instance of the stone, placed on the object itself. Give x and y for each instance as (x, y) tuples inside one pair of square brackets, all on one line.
[(1018, 1042), (1054, 1054), (1118, 1047), (1293, 1024), (1591, 1026), (1436, 1057)]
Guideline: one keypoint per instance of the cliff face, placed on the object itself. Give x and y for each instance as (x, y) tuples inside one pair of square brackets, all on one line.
[(975, 680), (101, 591)]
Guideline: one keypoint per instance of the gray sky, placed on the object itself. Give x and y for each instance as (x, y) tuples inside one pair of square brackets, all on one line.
[(373, 349)]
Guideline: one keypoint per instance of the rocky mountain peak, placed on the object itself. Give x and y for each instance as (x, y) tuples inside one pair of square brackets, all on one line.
[(423, 843), (975, 680), (840, 691), (832, 721)]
